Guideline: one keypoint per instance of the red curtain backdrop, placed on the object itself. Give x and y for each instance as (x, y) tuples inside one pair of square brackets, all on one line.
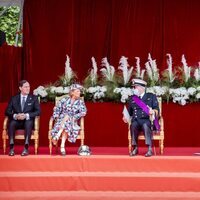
[(10, 71), (99, 28), (112, 28)]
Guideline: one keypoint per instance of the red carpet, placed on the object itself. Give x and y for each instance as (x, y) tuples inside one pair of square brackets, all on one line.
[(101, 176)]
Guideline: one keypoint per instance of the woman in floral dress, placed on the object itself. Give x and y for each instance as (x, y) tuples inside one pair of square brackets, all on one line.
[(67, 112)]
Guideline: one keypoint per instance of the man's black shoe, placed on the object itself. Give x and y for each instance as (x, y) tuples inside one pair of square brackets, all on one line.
[(11, 152), (149, 153), (134, 152), (25, 152)]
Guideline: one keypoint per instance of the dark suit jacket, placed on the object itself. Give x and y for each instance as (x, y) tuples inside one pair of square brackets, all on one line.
[(2, 37), (136, 112), (32, 106)]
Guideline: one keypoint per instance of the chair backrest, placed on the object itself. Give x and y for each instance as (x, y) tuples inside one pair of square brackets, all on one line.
[(160, 105), (57, 99)]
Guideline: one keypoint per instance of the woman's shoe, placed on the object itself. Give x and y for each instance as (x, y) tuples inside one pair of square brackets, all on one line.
[(62, 151), (54, 140)]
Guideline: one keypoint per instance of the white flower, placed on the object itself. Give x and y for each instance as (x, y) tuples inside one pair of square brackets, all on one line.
[(98, 92), (36, 91), (192, 91), (91, 90), (182, 102), (160, 91), (52, 89), (99, 95), (125, 93), (198, 88), (66, 90), (139, 74), (68, 69), (108, 71), (149, 71), (197, 74), (125, 71), (198, 95), (186, 69), (152, 70), (93, 72), (150, 90), (41, 91), (179, 95), (169, 69), (59, 90)]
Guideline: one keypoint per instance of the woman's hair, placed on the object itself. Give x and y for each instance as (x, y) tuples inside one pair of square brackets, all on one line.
[(72, 90), (73, 87)]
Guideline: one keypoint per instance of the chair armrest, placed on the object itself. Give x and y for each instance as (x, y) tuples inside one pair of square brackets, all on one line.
[(82, 123), (129, 131), (51, 123), (37, 123), (5, 123), (161, 126)]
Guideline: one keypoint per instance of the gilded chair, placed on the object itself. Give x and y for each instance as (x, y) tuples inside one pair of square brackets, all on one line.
[(19, 134), (81, 135), (157, 135)]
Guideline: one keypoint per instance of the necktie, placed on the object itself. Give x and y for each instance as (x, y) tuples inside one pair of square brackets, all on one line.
[(23, 103)]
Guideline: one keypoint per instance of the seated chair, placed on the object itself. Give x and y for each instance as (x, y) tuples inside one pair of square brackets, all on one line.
[(19, 134), (81, 135), (157, 135)]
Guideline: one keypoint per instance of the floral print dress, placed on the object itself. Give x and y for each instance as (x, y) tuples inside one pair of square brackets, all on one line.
[(75, 111)]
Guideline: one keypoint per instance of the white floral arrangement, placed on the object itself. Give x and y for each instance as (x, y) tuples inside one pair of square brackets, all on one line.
[(171, 75), (40, 91), (197, 73), (97, 92), (126, 71), (124, 92), (158, 90), (152, 70), (107, 70), (186, 69), (139, 72), (105, 87)]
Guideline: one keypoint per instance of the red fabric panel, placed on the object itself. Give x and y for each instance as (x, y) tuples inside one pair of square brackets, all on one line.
[(10, 71), (181, 30), (104, 125), (137, 30), (53, 29), (112, 28)]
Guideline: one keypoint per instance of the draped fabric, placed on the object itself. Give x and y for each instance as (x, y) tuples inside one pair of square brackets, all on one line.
[(99, 28), (10, 71), (112, 28)]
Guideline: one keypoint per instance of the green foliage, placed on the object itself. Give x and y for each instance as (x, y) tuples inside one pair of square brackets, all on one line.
[(8, 24), (88, 82), (64, 81)]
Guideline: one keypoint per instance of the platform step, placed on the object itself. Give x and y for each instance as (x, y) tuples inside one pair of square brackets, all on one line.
[(99, 181), (104, 163), (109, 195)]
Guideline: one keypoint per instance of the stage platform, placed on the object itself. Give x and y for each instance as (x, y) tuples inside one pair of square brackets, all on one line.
[(109, 173)]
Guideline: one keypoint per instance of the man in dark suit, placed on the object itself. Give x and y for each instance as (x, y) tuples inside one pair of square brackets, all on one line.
[(22, 110), (2, 38), (142, 106)]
